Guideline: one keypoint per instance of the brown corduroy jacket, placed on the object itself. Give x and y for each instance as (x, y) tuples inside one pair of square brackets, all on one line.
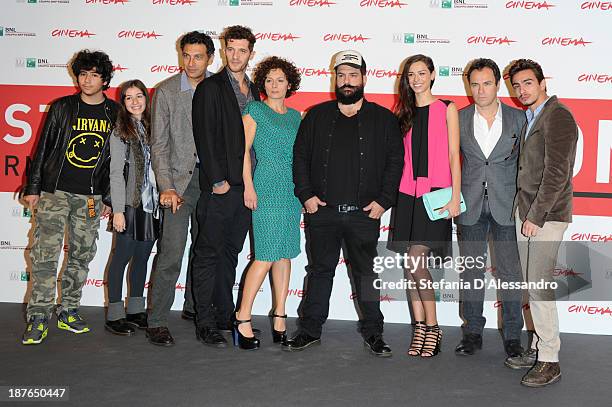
[(546, 163)]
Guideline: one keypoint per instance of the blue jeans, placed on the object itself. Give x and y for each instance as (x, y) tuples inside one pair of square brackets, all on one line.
[(473, 241)]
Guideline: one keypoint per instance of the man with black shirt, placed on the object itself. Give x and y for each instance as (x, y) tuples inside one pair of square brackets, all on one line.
[(224, 220), (66, 185), (347, 164)]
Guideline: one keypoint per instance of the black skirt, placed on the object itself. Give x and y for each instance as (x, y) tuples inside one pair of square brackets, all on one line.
[(140, 225), (412, 226)]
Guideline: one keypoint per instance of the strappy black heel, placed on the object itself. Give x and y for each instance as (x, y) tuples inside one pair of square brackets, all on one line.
[(244, 342), (278, 336), (433, 341), (418, 338)]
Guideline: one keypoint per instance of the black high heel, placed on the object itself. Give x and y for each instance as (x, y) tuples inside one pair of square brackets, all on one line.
[(433, 341), (278, 336), (418, 338), (244, 342)]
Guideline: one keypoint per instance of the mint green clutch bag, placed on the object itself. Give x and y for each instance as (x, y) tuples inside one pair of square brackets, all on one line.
[(435, 200)]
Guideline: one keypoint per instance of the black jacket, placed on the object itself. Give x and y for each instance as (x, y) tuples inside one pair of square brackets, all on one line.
[(380, 147), (218, 131), (51, 149)]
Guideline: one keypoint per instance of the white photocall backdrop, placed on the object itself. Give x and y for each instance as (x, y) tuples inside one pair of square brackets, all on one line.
[(569, 38)]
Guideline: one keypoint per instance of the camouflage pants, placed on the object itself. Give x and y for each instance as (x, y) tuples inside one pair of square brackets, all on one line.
[(53, 213)]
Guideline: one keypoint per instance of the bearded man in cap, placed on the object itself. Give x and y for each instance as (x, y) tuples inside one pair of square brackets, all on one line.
[(347, 165)]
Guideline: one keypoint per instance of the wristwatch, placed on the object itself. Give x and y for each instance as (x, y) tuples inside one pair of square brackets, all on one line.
[(218, 184)]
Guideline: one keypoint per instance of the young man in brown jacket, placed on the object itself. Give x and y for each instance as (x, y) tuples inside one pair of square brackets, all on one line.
[(543, 207)]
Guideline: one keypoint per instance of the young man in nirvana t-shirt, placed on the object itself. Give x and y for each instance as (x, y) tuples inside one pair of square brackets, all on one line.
[(66, 185)]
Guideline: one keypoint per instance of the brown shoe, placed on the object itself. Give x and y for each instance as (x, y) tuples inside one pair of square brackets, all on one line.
[(542, 374), (160, 336)]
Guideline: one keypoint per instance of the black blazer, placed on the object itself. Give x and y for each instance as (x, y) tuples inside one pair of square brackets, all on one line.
[(218, 131)]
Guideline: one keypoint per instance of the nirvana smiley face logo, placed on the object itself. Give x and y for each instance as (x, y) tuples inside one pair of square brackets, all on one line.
[(84, 150)]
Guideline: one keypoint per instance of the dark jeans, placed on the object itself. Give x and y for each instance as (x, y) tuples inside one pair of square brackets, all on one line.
[(326, 229), (473, 242), (224, 223), (171, 248), (127, 249)]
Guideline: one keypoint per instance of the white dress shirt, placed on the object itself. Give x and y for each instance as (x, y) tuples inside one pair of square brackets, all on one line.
[(486, 137)]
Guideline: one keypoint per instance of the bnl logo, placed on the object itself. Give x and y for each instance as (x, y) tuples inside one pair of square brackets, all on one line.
[(409, 38), (29, 62), (228, 2), (441, 3), (444, 71), (1, 31)]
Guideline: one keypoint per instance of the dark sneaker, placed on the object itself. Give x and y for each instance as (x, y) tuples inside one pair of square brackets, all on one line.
[(300, 342), (377, 346), (526, 360), (36, 330), (469, 344), (70, 320), (211, 337), (542, 374), (513, 348)]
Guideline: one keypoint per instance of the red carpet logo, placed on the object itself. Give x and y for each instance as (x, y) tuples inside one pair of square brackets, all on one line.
[(276, 36), (592, 237), (589, 309), (382, 3), (530, 5), (344, 38), (311, 3), (175, 2), (597, 5), (106, 1), (565, 41), (314, 72), (489, 40), (138, 34), (166, 68), (61, 32)]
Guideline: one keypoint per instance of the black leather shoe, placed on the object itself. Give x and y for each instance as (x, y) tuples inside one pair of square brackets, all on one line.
[(119, 327), (300, 342), (469, 344), (137, 320), (378, 347), (211, 337), (188, 315), (513, 348), (160, 336)]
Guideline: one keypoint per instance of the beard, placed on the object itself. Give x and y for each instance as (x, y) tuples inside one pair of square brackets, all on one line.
[(351, 98)]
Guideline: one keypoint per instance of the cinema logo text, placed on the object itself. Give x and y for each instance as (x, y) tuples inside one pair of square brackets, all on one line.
[(382, 4), (166, 69), (597, 5), (71, 33), (174, 2), (119, 68), (565, 41), (13, 32), (311, 3), (418, 38), (489, 40), (275, 36), (529, 5), (139, 35), (107, 2), (314, 72), (340, 37)]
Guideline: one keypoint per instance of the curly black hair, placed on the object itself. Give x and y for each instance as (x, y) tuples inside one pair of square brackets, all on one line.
[(289, 69), (196, 37), (86, 60), (239, 32)]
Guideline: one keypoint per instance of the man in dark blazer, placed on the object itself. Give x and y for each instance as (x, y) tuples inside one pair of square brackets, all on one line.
[(174, 159), (224, 220), (543, 211), (489, 145)]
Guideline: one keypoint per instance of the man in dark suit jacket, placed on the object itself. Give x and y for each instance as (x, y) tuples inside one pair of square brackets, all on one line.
[(544, 209), (224, 220), (489, 146)]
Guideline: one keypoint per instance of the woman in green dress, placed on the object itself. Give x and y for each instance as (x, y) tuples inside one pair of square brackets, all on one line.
[(270, 128)]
